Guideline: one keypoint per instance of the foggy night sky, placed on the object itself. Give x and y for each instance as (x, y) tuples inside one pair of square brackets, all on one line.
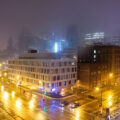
[(56, 15)]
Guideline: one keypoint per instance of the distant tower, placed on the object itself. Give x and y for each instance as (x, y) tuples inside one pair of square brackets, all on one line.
[(10, 44), (72, 37), (25, 40)]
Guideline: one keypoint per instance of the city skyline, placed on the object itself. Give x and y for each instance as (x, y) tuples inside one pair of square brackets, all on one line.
[(56, 16)]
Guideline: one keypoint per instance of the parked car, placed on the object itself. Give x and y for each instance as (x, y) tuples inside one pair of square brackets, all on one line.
[(91, 97), (74, 105), (64, 103)]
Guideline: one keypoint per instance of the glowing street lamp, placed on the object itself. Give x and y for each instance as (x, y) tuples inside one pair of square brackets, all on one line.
[(97, 88), (5, 74), (110, 79), (13, 94), (109, 98), (77, 115), (110, 75), (2, 88), (0, 65), (31, 104), (18, 77), (18, 103), (5, 95), (110, 103)]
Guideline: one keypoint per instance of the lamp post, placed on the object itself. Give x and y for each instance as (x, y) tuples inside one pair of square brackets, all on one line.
[(110, 76), (97, 89), (18, 77)]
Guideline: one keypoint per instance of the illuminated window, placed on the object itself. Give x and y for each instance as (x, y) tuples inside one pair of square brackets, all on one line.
[(94, 51), (73, 63), (74, 57), (94, 56), (65, 83)]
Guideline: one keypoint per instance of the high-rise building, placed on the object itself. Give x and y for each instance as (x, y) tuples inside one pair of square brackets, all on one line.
[(115, 40), (72, 37), (91, 38)]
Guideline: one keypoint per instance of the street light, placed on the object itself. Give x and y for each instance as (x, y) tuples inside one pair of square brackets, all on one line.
[(18, 77), (0, 65), (5, 95), (18, 103), (110, 75), (109, 98), (5, 74), (97, 88), (13, 94), (110, 78), (110, 103), (31, 104), (2, 88)]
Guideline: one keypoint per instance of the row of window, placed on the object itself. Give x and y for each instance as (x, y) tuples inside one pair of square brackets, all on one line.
[(43, 63), (58, 84), (44, 70), (65, 83), (42, 76), (62, 77)]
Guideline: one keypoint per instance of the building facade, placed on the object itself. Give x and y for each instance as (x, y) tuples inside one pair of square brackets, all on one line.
[(92, 75), (105, 57), (46, 71)]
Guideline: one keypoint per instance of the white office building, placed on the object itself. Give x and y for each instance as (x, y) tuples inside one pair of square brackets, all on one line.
[(51, 72)]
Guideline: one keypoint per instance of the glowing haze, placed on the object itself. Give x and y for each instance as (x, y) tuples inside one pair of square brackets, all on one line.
[(56, 15)]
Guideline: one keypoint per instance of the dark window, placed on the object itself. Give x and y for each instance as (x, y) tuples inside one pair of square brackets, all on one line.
[(65, 63), (54, 78), (58, 77), (59, 83), (48, 71), (44, 70), (69, 63), (66, 76), (73, 75), (52, 64), (60, 64), (63, 70), (56, 70), (68, 69), (72, 69), (70, 82)]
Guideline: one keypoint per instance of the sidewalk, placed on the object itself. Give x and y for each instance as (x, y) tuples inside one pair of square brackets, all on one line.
[(23, 88)]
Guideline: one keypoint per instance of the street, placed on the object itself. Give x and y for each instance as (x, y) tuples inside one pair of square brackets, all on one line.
[(20, 106)]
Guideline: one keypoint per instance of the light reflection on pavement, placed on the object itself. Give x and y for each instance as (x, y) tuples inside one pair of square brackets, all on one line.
[(22, 107)]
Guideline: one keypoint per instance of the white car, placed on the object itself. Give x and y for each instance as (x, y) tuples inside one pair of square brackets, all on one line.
[(74, 105)]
